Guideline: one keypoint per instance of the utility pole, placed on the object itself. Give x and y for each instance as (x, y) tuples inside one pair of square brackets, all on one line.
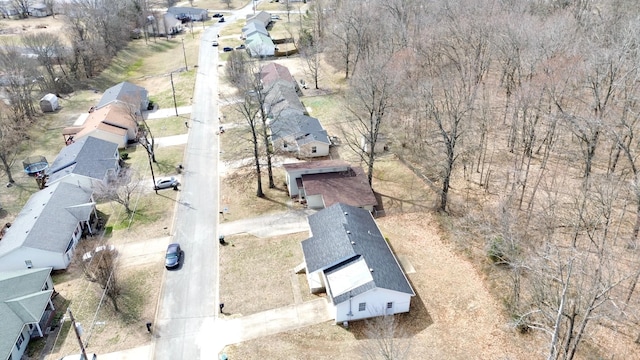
[(175, 104), (184, 52), (77, 331)]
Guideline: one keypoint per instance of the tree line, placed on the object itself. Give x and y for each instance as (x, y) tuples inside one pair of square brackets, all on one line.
[(522, 117)]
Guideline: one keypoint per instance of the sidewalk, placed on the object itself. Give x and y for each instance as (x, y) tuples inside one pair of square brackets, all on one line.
[(164, 113)]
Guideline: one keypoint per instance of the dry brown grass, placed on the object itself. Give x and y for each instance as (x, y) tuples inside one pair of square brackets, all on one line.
[(248, 263)]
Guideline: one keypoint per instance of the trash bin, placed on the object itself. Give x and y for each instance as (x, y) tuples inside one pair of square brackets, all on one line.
[(221, 239)]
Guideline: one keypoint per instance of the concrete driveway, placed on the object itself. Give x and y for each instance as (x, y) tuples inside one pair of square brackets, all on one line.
[(282, 223)]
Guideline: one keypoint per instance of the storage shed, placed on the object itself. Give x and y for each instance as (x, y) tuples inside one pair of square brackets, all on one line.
[(49, 103)]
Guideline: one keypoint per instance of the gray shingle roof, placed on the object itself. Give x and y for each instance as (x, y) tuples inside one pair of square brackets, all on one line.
[(125, 92), (301, 127), (342, 235), (282, 98), (90, 157), (22, 301), (48, 219)]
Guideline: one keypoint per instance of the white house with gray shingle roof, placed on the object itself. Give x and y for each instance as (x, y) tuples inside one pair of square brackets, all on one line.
[(47, 229), (25, 308), (85, 162), (125, 92), (348, 257)]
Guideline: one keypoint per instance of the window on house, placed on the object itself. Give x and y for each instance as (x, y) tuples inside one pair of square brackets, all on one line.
[(389, 305), (362, 306), (45, 287), (20, 340), (29, 264), (314, 149)]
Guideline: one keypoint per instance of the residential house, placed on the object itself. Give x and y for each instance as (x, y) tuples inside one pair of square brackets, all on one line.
[(115, 122), (347, 256), (263, 18), (47, 229), (164, 25), (252, 28), (281, 99), (193, 14), (8, 10), (260, 45), (299, 134), (273, 73), (326, 182), (85, 162), (26, 309), (381, 144), (125, 92), (40, 10)]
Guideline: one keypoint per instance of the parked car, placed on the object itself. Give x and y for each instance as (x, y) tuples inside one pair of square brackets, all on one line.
[(217, 15), (240, 47), (227, 49), (167, 182), (89, 255), (275, 17), (214, 43), (173, 257), (221, 19)]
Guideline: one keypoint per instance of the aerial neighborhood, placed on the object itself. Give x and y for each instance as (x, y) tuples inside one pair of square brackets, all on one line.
[(279, 179)]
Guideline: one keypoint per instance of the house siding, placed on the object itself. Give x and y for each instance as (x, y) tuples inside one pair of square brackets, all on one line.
[(376, 305), (295, 174), (322, 149)]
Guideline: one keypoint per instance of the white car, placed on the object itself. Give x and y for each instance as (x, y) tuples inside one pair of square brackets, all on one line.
[(165, 183), (87, 256)]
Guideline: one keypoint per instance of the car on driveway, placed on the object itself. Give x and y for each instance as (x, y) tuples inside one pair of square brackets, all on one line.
[(89, 255), (166, 182), (221, 19), (214, 43), (227, 49), (217, 15), (173, 257)]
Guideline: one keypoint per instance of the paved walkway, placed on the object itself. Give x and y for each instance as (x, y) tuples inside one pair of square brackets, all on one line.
[(281, 223)]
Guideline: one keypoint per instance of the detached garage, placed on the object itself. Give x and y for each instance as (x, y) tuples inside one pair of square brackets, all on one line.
[(49, 103)]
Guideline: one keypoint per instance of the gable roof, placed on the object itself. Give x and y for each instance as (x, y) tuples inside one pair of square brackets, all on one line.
[(342, 238), (260, 44), (177, 10), (262, 17), (115, 118), (297, 125), (315, 165), (22, 301), (90, 157), (125, 92), (348, 187), (282, 100), (48, 219), (273, 72), (254, 26)]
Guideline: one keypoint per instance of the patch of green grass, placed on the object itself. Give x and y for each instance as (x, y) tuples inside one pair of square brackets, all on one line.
[(64, 331), (132, 69), (173, 125), (133, 296)]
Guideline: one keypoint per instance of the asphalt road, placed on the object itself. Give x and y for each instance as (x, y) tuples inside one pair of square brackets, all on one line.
[(188, 303)]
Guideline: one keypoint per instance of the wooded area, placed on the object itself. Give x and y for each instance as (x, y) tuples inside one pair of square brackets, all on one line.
[(522, 117)]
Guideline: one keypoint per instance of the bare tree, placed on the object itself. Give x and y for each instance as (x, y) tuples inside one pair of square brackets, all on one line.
[(19, 76), (21, 7), (105, 272), (13, 131), (121, 188), (386, 339), (310, 51), (228, 3), (47, 48)]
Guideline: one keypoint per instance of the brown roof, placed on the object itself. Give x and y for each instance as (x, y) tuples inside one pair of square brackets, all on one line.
[(351, 187), (319, 164), (273, 72), (113, 118)]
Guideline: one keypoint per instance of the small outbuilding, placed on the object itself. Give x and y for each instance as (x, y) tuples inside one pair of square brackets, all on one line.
[(49, 103)]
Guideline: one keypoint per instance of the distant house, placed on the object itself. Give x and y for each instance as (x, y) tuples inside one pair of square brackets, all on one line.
[(193, 14), (85, 163), (348, 257), (164, 25), (299, 134), (252, 28), (26, 309), (125, 92), (263, 18), (381, 144), (260, 45), (40, 10), (114, 122), (273, 73), (47, 229), (8, 9), (325, 183)]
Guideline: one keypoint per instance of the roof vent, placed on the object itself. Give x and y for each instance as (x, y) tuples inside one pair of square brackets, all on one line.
[(353, 243), (346, 213), (371, 269), (348, 232)]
